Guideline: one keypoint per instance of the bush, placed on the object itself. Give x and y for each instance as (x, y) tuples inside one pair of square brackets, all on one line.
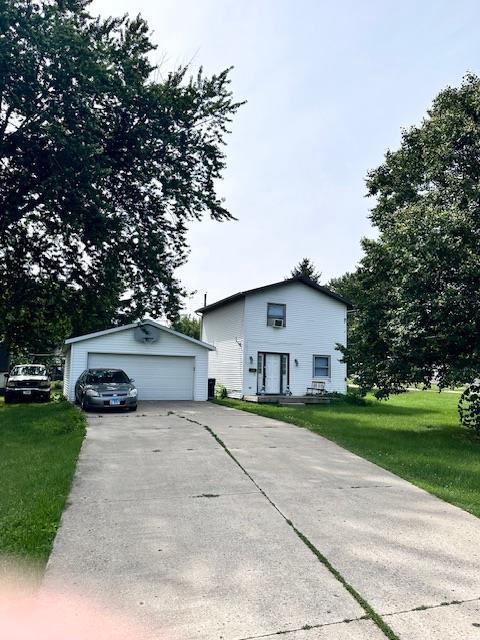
[(469, 407), (220, 391), (353, 396), (56, 391)]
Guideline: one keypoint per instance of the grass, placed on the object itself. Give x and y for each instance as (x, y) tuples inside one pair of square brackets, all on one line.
[(39, 446), (416, 435)]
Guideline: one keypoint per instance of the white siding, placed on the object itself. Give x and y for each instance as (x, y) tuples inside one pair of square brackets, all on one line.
[(223, 328), (123, 342), (314, 324)]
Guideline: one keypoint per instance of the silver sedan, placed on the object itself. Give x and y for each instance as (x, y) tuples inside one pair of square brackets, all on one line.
[(105, 389)]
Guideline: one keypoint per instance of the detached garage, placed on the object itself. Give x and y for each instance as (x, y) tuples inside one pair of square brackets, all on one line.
[(165, 364)]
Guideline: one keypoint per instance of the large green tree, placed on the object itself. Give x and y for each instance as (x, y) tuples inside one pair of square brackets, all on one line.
[(347, 286), (188, 325), (103, 162), (417, 288)]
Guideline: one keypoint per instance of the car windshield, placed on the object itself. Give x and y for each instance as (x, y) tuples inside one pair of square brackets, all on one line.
[(107, 376), (29, 370)]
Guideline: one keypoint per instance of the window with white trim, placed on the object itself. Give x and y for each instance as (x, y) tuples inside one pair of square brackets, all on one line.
[(321, 366), (276, 313)]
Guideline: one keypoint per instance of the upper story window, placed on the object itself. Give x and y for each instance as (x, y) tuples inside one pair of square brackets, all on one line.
[(276, 314)]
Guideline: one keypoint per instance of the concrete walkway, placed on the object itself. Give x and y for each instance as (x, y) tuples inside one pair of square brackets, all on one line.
[(206, 522)]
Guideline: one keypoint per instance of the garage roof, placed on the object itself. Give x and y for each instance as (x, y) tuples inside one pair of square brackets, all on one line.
[(124, 327)]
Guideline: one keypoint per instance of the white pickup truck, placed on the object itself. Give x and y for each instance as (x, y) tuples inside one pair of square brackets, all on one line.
[(27, 382)]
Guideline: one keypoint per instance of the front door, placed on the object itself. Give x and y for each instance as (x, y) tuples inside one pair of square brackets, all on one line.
[(272, 372)]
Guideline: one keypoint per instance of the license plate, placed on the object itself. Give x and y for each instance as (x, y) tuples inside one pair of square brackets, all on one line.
[(27, 393), (115, 401)]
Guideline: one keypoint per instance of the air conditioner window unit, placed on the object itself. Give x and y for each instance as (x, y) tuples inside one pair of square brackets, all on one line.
[(278, 323)]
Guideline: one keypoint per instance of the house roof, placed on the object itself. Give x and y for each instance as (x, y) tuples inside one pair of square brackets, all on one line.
[(124, 327), (301, 279)]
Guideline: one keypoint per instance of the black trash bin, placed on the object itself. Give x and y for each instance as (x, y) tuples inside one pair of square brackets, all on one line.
[(211, 387)]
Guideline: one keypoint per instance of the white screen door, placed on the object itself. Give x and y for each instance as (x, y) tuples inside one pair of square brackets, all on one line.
[(272, 372)]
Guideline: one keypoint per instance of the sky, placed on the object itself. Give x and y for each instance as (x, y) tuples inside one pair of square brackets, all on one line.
[(329, 86)]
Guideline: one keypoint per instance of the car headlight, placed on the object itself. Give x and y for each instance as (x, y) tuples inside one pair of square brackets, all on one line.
[(132, 393), (10, 384), (92, 393), (45, 384)]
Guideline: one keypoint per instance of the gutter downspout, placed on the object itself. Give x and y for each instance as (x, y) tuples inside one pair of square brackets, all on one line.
[(201, 315)]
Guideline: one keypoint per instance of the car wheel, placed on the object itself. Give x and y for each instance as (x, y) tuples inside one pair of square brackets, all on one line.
[(8, 399), (76, 401), (84, 404), (132, 408)]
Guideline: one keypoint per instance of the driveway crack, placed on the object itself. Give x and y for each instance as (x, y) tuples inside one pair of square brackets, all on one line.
[(306, 627), (371, 614), (426, 607)]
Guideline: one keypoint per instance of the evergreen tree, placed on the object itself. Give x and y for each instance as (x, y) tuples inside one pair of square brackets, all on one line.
[(307, 269)]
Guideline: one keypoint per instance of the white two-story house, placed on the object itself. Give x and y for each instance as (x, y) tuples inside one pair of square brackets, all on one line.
[(277, 339)]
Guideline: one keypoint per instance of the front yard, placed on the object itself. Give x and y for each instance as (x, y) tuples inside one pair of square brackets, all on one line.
[(416, 435), (39, 445)]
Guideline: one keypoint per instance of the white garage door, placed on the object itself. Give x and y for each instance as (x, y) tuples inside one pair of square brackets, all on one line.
[(156, 377)]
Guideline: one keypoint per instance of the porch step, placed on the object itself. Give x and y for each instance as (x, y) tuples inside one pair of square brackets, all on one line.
[(286, 403), (269, 399)]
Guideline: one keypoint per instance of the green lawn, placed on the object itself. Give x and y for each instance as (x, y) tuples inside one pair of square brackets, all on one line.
[(416, 435), (39, 445)]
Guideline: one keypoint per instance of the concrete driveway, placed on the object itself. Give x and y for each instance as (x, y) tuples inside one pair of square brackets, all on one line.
[(207, 522)]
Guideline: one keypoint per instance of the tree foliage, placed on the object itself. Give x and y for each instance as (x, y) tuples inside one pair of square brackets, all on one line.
[(416, 289), (469, 407), (347, 286), (103, 162), (188, 325), (307, 269)]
